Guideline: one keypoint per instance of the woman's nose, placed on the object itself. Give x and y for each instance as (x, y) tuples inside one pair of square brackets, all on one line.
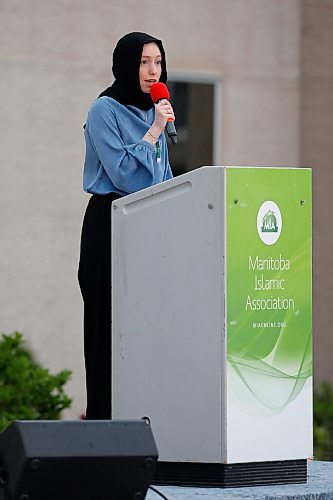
[(152, 68)]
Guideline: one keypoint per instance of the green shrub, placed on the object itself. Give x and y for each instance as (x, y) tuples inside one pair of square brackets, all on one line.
[(27, 390), (323, 422)]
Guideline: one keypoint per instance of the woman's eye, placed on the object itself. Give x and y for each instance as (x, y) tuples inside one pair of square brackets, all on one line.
[(147, 62)]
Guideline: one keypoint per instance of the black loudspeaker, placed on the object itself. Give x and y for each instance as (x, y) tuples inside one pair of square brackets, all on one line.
[(76, 460)]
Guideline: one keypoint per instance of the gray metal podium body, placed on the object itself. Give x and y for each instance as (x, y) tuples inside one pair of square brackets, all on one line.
[(171, 325)]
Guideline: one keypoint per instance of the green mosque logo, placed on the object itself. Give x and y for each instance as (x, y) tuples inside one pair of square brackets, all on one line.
[(269, 223)]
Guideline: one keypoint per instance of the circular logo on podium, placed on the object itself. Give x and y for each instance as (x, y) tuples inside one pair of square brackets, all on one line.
[(269, 222)]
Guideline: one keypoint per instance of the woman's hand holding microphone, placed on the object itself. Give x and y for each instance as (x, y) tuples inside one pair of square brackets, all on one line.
[(163, 114)]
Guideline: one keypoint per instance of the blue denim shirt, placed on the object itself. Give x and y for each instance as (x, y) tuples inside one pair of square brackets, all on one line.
[(117, 159)]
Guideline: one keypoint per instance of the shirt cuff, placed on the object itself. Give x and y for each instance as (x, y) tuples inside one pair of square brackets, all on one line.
[(147, 144)]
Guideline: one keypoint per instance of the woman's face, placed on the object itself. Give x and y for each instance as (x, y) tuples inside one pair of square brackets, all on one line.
[(150, 66)]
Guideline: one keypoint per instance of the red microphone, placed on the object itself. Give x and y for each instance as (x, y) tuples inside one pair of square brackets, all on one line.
[(159, 91)]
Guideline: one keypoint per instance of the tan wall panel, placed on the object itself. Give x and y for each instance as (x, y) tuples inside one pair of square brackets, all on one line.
[(261, 39), (41, 208), (260, 123), (317, 152), (317, 39)]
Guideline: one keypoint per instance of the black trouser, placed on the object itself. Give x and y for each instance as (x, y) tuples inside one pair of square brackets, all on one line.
[(95, 283)]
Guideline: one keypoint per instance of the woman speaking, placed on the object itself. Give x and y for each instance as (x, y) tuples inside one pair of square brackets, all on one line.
[(126, 151)]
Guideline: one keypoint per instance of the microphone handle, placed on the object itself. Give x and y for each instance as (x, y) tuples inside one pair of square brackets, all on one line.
[(171, 131)]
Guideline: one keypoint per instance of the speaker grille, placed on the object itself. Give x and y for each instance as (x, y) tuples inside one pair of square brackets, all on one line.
[(230, 475)]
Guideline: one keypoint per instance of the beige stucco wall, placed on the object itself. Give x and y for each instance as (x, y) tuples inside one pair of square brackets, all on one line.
[(55, 58)]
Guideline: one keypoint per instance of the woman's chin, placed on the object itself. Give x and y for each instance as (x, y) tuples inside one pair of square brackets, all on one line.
[(145, 90)]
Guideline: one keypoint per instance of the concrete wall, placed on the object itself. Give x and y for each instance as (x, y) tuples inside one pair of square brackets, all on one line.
[(55, 58), (317, 151)]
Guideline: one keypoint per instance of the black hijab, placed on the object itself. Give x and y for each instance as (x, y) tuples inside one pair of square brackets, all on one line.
[(126, 64)]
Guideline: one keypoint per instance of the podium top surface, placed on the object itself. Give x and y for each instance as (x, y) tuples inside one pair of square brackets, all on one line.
[(204, 171)]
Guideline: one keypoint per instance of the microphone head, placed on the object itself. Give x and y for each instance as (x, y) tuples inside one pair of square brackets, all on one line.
[(159, 91)]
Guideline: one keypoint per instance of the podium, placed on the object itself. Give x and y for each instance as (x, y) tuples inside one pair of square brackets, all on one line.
[(212, 323)]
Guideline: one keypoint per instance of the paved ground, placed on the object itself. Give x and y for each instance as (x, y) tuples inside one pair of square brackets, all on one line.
[(318, 487)]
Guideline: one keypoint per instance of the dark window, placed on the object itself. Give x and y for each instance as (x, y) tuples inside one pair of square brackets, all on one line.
[(193, 104)]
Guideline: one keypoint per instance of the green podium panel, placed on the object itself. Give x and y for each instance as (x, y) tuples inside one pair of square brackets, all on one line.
[(269, 312)]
